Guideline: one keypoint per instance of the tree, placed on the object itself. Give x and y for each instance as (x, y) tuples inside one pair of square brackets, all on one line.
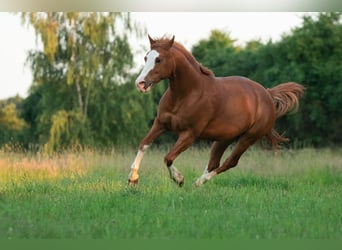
[(215, 52), (11, 125), (85, 57), (223, 57)]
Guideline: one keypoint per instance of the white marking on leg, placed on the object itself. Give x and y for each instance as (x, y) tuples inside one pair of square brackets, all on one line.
[(145, 147), (149, 65), (204, 178), (133, 174), (176, 175), (205, 170)]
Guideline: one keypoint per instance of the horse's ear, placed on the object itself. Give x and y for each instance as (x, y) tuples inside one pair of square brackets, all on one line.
[(171, 41), (151, 40)]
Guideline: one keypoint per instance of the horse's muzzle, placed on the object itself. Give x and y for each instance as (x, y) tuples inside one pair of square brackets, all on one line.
[(144, 86)]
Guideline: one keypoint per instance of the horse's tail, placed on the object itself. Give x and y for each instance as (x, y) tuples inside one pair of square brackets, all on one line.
[(286, 98)]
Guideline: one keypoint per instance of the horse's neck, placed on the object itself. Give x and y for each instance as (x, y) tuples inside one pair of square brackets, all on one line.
[(185, 79)]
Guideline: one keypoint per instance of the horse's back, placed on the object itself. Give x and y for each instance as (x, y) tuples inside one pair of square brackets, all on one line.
[(245, 90), (240, 82)]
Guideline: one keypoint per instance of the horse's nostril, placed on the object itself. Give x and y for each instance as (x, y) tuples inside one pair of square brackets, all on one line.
[(142, 86), (147, 84)]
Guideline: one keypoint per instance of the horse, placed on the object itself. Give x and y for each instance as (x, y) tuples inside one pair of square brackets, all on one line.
[(199, 105)]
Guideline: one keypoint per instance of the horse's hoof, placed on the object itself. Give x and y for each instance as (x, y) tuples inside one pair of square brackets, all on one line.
[(133, 183), (204, 178), (198, 183), (179, 180), (181, 183)]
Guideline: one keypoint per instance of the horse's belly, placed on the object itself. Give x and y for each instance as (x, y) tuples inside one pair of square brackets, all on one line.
[(219, 132)]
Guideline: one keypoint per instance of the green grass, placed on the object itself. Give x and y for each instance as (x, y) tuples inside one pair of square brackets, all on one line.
[(294, 194)]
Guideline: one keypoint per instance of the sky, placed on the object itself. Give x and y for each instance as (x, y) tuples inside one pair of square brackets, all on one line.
[(188, 27)]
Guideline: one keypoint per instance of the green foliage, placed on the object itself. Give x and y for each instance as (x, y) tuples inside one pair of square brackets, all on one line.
[(68, 128), (9, 118), (216, 52), (11, 125)]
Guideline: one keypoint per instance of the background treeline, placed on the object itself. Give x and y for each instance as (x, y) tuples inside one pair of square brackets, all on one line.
[(83, 90)]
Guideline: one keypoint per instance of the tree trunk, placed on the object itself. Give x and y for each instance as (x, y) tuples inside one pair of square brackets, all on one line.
[(73, 62)]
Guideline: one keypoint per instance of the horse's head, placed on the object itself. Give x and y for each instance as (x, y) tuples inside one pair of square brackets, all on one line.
[(159, 64)]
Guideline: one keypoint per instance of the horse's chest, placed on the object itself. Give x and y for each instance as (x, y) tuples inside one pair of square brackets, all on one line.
[(174, 122), (190, 114), (188, 119)]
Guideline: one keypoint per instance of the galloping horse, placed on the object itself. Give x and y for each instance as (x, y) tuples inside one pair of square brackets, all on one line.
[(199, 105)]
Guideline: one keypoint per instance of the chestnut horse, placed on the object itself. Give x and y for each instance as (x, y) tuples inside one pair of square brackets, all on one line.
[(199, 105)]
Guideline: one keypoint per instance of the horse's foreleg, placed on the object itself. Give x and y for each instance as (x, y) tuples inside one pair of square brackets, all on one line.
[(154, 132), (176, 175), (133, 176), (184, 141)]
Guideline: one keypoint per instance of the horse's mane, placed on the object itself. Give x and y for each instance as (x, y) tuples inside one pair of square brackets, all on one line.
[(164, 42)]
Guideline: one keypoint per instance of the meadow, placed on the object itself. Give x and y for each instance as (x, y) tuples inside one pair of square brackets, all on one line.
[(293, 194)]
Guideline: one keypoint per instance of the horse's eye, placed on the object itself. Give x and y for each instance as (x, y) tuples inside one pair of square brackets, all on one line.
[(145, 58), (157, 60)]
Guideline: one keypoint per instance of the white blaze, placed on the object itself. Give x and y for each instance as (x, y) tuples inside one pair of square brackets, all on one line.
[(149, 65)]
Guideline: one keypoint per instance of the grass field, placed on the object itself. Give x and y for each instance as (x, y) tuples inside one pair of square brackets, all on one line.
[(294, 194)]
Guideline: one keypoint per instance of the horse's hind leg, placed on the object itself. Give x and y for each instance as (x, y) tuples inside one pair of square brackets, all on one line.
[(217, 150), (233, 159)]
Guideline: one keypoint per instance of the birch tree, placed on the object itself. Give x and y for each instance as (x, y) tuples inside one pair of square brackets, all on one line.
[(83, 53)]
